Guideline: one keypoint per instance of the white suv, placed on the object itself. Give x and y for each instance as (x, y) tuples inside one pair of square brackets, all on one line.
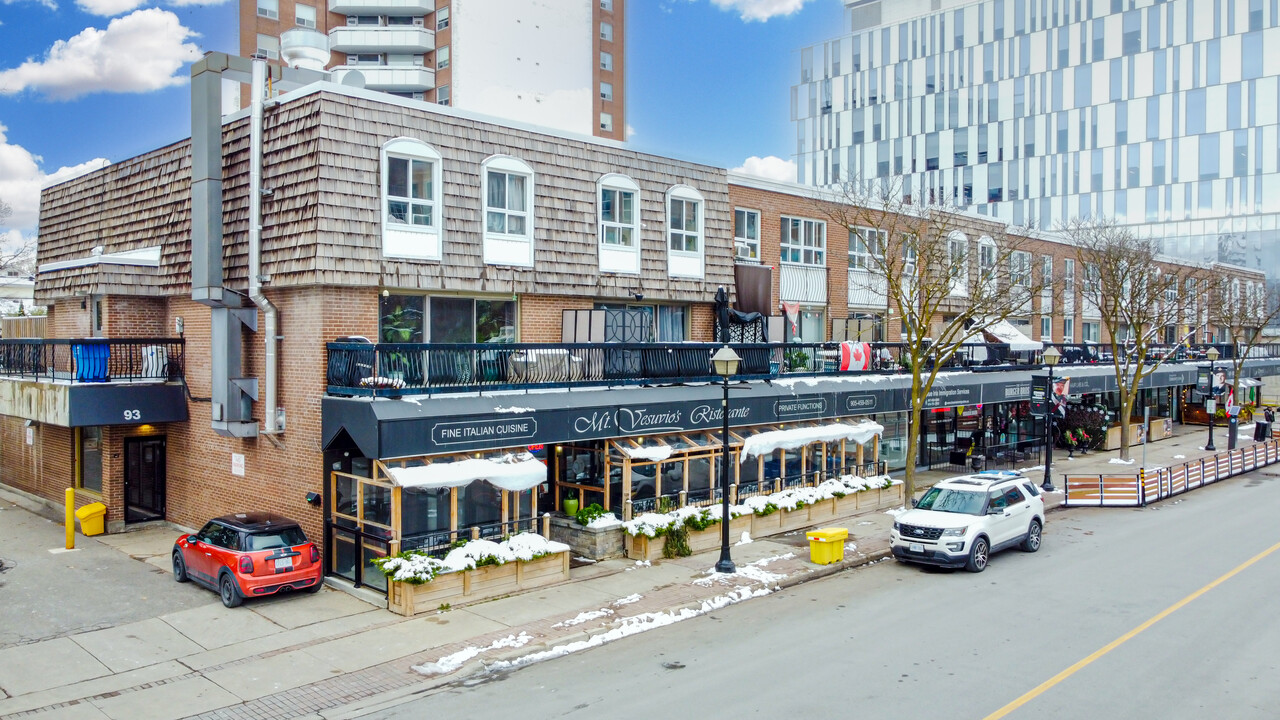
[(962, 520)]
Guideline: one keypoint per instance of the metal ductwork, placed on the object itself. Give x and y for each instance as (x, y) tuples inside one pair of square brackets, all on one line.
[(232, 394)]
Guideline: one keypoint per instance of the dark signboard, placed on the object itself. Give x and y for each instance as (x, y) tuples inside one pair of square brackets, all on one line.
[(942, 396), (1204, 381), (93, 404), (1039, 394)]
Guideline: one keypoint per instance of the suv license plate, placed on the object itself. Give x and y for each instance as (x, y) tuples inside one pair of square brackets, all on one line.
[(285, 563), (915, 547)]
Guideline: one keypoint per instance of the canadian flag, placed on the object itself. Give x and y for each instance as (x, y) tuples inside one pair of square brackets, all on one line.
[(855, 356)]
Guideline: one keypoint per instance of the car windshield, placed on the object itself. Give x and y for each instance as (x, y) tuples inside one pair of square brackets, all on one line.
[(953, 501), (283, 537)]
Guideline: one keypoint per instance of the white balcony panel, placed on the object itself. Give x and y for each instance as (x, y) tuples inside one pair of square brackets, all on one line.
[(400, 39), (803, 283), (382, 7), (390, 77), (868, 290)]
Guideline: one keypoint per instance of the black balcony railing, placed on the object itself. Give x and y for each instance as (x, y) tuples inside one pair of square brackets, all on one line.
[(93, 359), (414, 369)]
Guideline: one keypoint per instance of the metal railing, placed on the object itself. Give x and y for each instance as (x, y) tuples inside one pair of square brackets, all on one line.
[(93, 359), (394, 369)]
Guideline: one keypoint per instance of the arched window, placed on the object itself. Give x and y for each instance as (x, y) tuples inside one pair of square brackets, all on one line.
[(412, 213), (686, 229), (507, 184), (618, 208)]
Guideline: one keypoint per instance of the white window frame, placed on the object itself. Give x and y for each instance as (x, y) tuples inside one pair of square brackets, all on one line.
[(442, 57), (608, 96), (1094, 326), (606, 31), (447, 98), (503, 247), (1046, 328), (442, 23), (746, 247), (618, 257), (959, 285), (1068, 330), (1020, 268), (867, 243), (606, 5), (405, 240), (686, 263), (606, 60), (297, 16), (606, 121), (804, 236), (271, 11), (987, 264), (268, 52)]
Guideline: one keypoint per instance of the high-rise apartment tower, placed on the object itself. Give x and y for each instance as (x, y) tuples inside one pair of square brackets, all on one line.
[(556, 64)]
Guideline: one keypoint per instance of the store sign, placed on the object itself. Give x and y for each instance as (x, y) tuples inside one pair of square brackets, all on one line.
[(1039, 394), (860, 403), (943, 397), (485, 431), (800, 408), (1204, 381)]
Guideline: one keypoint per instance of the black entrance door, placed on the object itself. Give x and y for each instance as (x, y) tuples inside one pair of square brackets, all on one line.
[(144, 473)]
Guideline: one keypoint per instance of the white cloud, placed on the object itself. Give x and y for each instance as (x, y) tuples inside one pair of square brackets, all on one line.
[(108, 8), (631, 132), (139, 52), (771, 167), (21, 180), (184, 3), (760, 10), (47, 3)]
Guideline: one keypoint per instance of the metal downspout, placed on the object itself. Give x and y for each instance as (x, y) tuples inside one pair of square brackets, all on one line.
[(270, 314)]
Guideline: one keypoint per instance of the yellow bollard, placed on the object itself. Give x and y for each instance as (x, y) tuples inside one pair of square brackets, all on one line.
[(71, 519)]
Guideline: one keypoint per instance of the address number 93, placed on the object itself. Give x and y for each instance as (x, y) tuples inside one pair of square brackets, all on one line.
[(132, 414)]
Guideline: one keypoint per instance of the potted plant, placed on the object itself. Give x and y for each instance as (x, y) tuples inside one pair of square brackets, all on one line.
[(571, 506)]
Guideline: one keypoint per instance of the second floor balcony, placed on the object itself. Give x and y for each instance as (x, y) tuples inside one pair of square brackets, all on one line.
[(395, 39), (803, 283)]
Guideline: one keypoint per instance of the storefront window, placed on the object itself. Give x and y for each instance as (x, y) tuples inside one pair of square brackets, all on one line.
[(401, 319), (450, 320), (89, 467)]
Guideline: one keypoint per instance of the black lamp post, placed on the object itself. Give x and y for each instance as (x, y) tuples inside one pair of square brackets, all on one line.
[(725, 363), (1051, 357), (1212, 354)]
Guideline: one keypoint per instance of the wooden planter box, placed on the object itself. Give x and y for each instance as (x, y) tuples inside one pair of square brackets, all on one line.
[(482, 583), (823, 511), (642, 547)]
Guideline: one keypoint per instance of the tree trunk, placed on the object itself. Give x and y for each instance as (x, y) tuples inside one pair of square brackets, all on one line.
[(913, 442), (1126, 409)]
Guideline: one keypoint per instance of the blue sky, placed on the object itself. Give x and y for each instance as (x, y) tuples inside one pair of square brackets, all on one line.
[(87, 81)]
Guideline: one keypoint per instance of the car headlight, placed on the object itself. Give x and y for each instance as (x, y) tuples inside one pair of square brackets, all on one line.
[(896, 526), (954, 532)]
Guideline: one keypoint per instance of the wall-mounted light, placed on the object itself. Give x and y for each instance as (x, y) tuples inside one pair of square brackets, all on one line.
[(638, 296), (386, 292), (28, 423), (313, 498)]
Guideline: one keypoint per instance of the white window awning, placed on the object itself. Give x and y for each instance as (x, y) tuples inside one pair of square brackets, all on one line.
[(1004, 331), (767, 442), (509, 472)]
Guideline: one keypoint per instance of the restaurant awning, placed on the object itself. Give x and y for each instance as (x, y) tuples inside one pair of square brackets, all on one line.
[(766, 442), (1003, 331), (509, 472)]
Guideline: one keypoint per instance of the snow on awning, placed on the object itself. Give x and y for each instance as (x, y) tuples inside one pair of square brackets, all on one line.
[(1005, 332), (767, 442), (509, 472), (655, 453)]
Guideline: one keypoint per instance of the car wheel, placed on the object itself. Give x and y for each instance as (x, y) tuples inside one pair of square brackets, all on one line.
[(978, 556), (1032, 542), (230, 593), (179, 567)]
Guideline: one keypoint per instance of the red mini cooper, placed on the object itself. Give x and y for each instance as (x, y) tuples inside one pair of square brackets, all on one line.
[(248, 555)]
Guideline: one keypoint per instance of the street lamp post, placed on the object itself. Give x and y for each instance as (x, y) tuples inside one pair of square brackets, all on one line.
[(1051, 357), (725, 362), (1212, 354)]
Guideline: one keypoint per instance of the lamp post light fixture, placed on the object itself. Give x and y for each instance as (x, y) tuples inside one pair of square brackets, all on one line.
[(1051, 358), (725, 363), (1212, 354)]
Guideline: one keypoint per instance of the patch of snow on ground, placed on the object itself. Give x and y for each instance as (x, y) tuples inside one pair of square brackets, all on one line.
[(850, 547), (632, 598), (585, 616), (865, 522), (746, 538), (1118, 461), (586, 560), (765, 561), (449, 663), (751, 571), (1179, 457), (631, 626), (895, 512), (1033, 468)]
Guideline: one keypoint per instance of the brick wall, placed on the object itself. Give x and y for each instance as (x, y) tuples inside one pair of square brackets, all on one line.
[(542, 316)]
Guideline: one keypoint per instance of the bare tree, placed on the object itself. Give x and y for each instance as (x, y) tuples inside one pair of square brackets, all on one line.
[(1136, 300), (945, 287), (1242, 309), (18, 255)]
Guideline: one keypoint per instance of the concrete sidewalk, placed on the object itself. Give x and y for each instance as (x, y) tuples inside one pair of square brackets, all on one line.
[(334, 655)]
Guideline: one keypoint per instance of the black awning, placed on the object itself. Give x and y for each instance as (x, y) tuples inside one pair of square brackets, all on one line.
[(123, 404)]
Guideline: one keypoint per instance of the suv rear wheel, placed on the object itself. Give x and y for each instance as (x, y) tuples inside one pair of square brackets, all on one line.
[(1032, 542), (978, 556)]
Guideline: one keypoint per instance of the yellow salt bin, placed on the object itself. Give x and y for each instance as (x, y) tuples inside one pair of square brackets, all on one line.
[(826, 545), (91, 518)]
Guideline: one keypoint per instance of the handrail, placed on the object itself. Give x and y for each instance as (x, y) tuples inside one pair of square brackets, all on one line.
[(90, 360)]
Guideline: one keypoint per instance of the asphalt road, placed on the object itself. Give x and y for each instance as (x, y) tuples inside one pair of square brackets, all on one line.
[(893, 641)]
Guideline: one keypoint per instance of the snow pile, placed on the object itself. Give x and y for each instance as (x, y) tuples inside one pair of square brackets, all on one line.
[(586, 616), (514, 409), (449, 663), (895, 512), (416, 568), (746, 539), (656, 524), (1179, 457), (752, 571), (793, 498), (513, 471), (655, 453), (795, 438), (632, 598), (631, 626), (1118, 461), (606, 521)]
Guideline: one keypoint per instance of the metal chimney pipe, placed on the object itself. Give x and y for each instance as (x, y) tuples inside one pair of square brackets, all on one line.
[(270, 314)]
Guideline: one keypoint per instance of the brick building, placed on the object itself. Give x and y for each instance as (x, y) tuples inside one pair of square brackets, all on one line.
[(531, 296)]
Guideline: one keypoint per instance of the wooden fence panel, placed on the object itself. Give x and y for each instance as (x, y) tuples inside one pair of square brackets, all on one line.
[(1178, 479), (1082, 490)]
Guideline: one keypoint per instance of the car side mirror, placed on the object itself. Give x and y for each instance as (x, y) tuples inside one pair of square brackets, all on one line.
[(915, 502), (995, 511)]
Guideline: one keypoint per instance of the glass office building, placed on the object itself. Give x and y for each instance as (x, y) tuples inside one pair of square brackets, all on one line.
[(1162, 114)]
